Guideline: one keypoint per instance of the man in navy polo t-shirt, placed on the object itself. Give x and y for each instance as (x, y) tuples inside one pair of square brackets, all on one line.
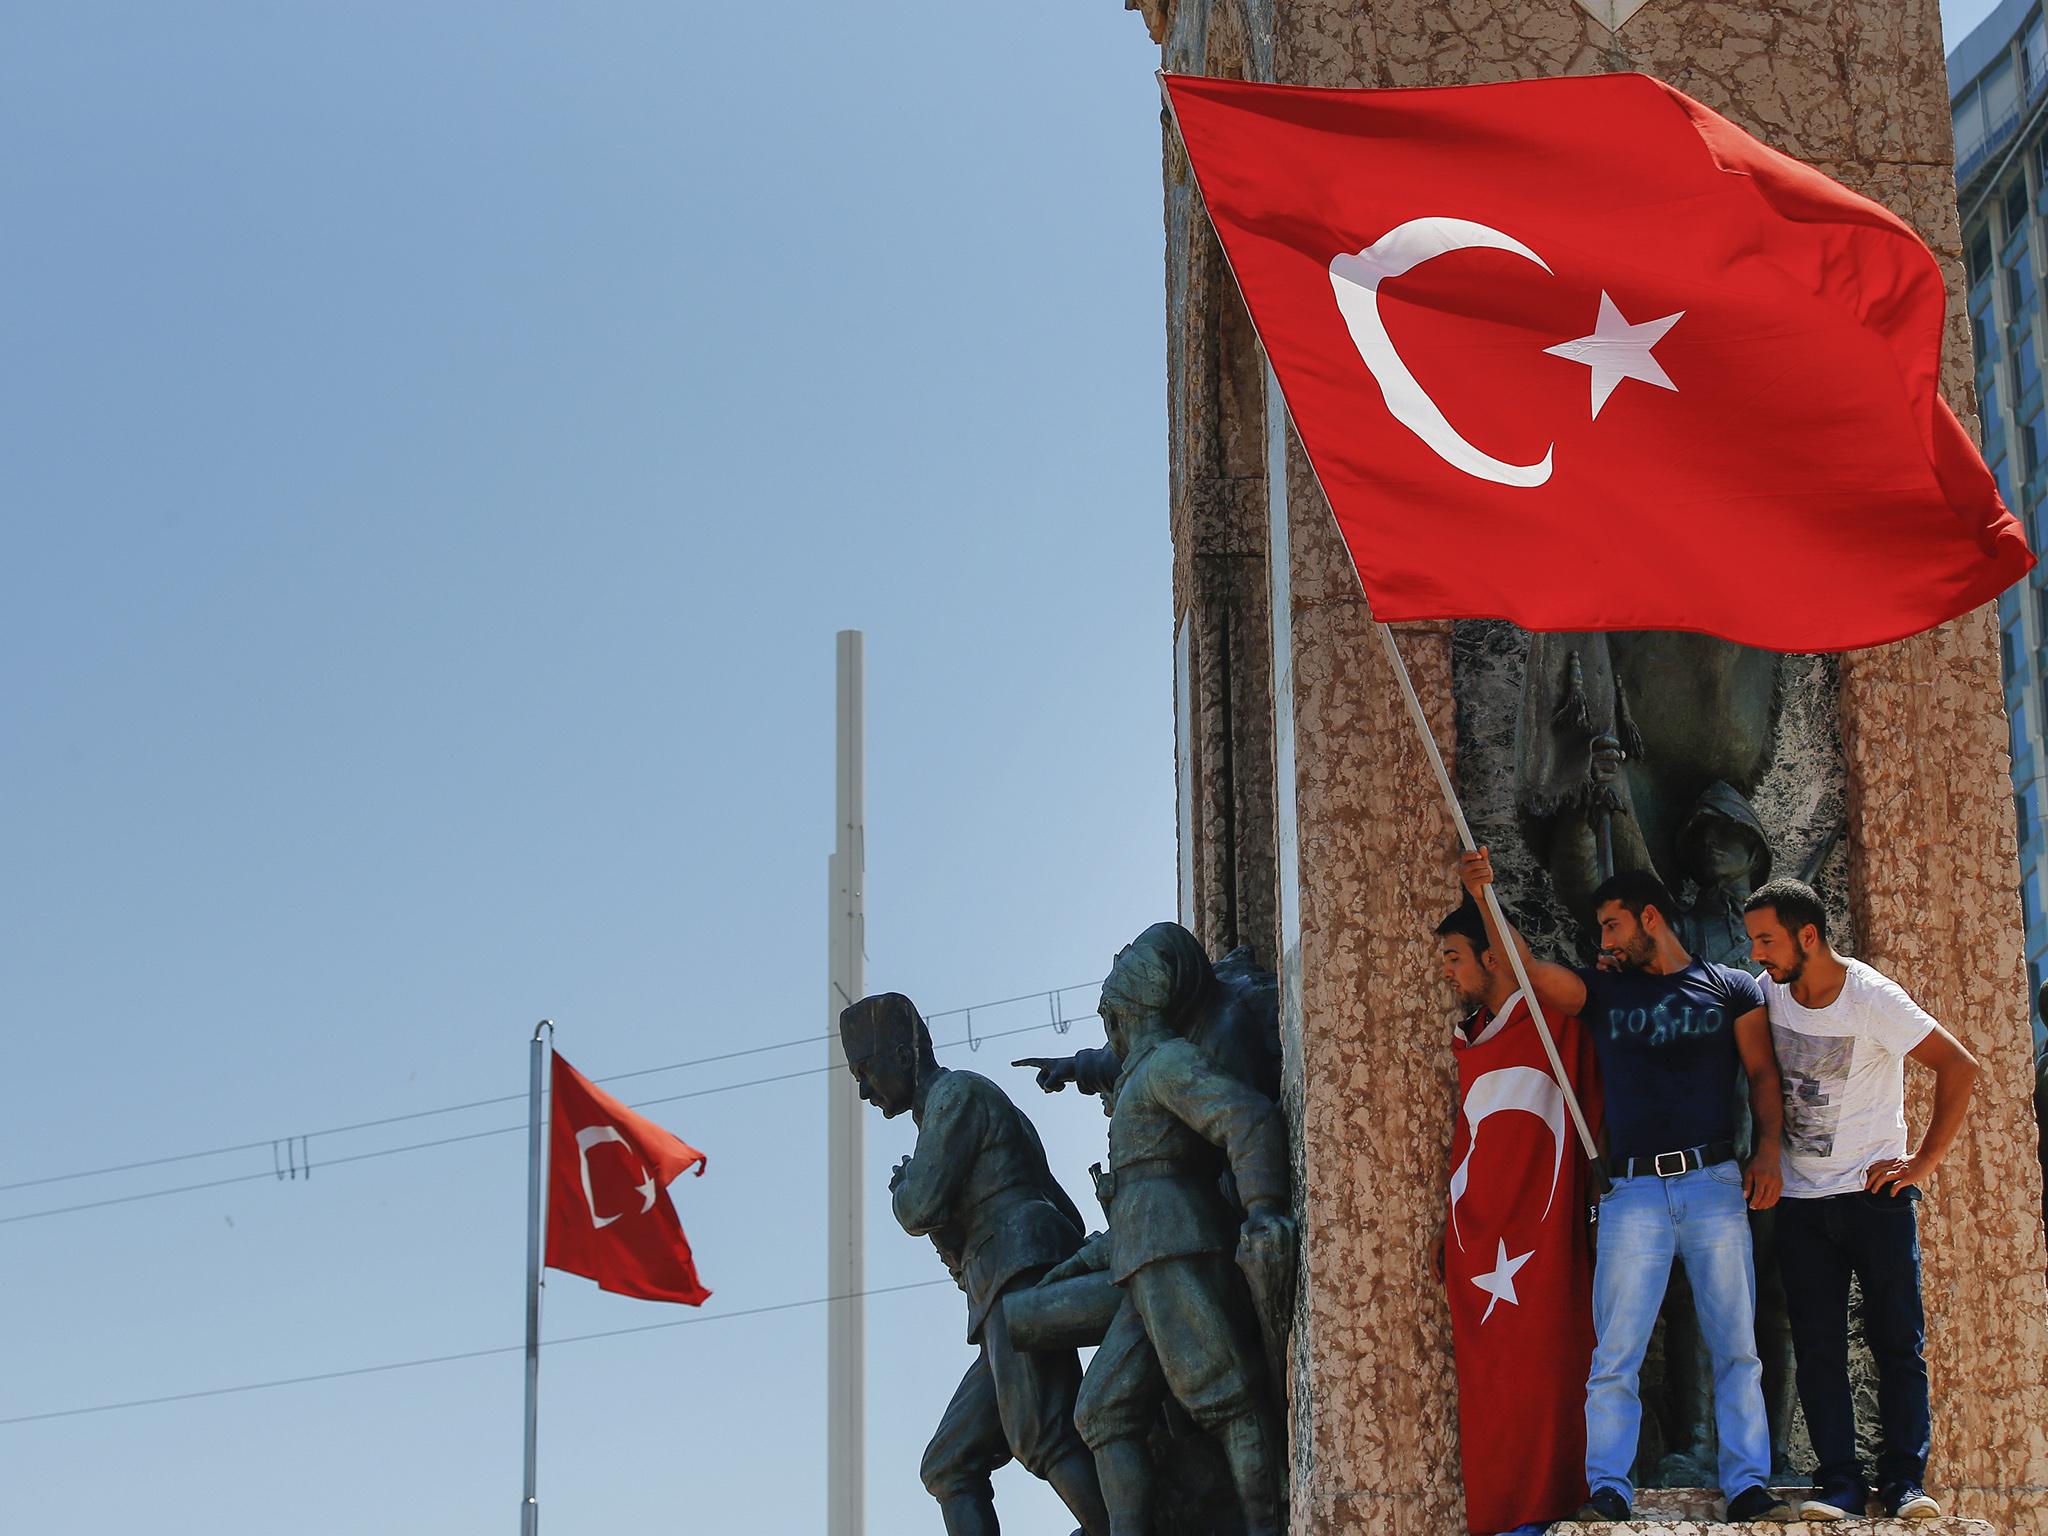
[(1671, 1033)]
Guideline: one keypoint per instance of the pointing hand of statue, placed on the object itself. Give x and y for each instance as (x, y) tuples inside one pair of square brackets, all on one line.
[(902, 1168), (1054, 1072)]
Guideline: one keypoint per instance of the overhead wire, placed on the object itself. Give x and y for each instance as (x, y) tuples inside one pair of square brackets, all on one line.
[(468, 1354), (506, 1098), (972, 1040)]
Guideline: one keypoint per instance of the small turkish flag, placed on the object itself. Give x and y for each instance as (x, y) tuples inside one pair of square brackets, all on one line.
[(1518, 1270), (1583, 354), (610, 1218)]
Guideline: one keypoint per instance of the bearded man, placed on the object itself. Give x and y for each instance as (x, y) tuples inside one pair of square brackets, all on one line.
[(1844, 1032), (1670, 1032)]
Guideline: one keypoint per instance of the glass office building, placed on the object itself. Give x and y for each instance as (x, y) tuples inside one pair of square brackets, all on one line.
[(1998, 88)]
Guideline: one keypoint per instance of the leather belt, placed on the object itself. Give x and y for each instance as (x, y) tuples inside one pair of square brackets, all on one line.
[(1137, 1170), (1669, 1165)]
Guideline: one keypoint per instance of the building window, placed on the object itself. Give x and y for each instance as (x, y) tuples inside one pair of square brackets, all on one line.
[(2016, 204), (2033, 438), (2030, 908), (2034, 54), (2026, 367), (2001, 94), (1980, 248), (1969, 121), (2005, 651), (2033, 981)]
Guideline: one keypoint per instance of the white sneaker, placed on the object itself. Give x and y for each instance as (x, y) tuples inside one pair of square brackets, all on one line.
[(1917, 1507), (1833, 1507)]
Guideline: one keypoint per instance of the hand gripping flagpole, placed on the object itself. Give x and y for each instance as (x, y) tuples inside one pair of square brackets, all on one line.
[(536, 1198), (1500, 920)]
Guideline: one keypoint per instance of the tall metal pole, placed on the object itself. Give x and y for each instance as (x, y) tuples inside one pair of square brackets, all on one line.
[(846, 1318), (536, 1199)]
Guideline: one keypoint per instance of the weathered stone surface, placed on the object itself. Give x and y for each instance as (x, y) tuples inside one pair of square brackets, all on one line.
[(1378, 1450), (1934, 884), (1218, 514), (1236, 891), (1665, 1510)]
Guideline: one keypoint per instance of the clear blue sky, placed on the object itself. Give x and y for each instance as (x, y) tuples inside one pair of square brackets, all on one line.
[(441, 444)]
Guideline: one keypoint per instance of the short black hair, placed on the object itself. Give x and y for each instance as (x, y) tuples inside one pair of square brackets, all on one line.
[(1465, 921), (1635, 889), (1795, 902)]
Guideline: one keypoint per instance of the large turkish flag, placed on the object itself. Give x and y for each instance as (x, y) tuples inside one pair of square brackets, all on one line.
[(610, 1217), (1518, 1269), (1583, 354)]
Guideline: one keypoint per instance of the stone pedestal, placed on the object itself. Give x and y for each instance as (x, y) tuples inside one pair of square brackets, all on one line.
[(1695, 1512), (1311, 827)]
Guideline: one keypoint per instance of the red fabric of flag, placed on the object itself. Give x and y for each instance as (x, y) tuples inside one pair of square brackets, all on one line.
[(610, 1218), (1518, 1270), (1583, 354)]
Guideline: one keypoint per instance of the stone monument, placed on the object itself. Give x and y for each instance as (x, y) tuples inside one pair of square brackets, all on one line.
[(1311, 828)]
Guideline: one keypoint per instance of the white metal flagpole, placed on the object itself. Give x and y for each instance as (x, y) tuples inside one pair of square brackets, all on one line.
[(536, 1201), (845, 1315)]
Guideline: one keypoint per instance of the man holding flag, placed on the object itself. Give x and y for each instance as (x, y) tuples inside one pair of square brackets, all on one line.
[(1669, 1031), (1514, 1253)]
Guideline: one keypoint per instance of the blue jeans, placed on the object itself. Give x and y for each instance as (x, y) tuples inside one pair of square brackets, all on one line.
[(1820, 1243), (1702, 1219)]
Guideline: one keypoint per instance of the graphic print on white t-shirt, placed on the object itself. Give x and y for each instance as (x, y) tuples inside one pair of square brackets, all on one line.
[(1815, 1070), (1842, 1069)]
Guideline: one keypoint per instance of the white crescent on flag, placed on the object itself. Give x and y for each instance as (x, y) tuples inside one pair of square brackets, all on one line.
[(1533, 1092), (591, 1136), (1356, 279)]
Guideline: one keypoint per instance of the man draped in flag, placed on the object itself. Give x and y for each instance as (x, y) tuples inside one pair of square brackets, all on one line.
[(1513, 1253)]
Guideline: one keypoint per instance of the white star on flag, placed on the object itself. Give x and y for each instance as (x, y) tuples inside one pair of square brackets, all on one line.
[(1500, 1285), (1618, 350)]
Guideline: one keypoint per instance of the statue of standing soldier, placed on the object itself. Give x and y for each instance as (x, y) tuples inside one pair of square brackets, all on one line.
[(978, 1185), (1188, 1322)]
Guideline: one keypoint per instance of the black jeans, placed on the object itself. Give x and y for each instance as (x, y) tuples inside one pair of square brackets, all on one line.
[(1820, 1244)]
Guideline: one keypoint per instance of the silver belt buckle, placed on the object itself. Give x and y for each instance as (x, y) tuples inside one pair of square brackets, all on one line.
[(1678, 1164)]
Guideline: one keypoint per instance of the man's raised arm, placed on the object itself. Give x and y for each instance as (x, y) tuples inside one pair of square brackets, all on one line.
[(1559, 990)]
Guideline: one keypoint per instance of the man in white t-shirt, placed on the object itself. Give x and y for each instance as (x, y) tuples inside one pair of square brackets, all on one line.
[(1843, 1032)]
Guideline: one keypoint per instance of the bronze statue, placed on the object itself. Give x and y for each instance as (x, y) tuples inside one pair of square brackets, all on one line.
[(1234, 1018), (1723, 851), (1188, 1322), (978, 1185), (1684, 711)]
